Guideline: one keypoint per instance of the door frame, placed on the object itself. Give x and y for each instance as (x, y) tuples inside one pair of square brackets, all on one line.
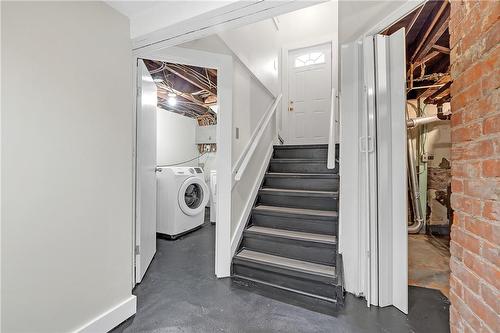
[(284, 120), (224, 66)]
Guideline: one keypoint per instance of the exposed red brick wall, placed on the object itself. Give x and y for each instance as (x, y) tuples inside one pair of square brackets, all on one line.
[(475, 104)]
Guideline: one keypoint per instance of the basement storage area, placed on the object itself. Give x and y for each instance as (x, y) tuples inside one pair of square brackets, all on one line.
[(429, 143)]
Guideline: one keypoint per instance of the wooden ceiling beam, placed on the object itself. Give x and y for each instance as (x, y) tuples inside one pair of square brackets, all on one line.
[(431, 41), (191, 79), (439, 94), (414, 19), (442, 49), (429, 28)]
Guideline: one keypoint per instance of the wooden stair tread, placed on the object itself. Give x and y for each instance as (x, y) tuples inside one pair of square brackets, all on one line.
[(298, 211), (287, 263), (294, 191), (295, 235)]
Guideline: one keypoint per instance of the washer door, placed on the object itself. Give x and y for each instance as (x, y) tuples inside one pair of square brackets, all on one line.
[(193, 196)]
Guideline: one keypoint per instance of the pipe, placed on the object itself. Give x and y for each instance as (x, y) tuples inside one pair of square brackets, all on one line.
[(414, 122), (414, 192)]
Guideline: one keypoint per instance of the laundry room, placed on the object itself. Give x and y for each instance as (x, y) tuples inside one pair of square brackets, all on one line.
[(179, 104)]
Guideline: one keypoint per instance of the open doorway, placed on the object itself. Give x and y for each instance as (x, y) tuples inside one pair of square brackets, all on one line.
[(180, 96), (429, 143)]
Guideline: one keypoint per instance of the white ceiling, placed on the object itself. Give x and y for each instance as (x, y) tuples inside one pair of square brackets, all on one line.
[(149, 16), (357, 17)]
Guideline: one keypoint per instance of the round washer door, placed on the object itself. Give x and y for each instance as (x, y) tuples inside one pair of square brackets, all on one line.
[(193, 196)]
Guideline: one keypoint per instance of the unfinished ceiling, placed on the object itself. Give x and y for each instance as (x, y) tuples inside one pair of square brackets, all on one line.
[(427, 51), (187, 90)]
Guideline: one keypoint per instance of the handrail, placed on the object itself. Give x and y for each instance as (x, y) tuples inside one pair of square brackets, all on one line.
[(242, 163), (331, 135)]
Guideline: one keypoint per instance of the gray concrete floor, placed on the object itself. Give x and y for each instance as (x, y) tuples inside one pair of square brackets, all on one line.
[(181, 294)]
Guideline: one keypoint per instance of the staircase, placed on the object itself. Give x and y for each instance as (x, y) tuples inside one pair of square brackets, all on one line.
[(290, 241)]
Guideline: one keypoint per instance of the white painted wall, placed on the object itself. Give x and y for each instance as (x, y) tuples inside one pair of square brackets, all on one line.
[(66, 167), (149, 16), (175, 139), (259, 45), (250, 101)]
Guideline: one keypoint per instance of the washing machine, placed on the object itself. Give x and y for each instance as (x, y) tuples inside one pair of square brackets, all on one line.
[(182, 197)]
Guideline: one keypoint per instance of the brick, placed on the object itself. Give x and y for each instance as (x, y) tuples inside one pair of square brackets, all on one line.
[(468, 205), (481, 310), (479, 188), (491, 124), (456, 250), (466, 241), (491, 210), (466, 133), (486, 271), (491, 253), (492, 37), (457, 186), (491, 168), (466, 169), (456, 118), (491, 296), (465, 275), (465, 313), (478, 227)]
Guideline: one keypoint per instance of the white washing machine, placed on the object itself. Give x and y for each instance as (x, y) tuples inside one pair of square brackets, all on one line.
[(182, 197)]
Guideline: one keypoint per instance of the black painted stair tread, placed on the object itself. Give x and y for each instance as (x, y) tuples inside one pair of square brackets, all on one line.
[(311, 146), (301, 175), (310, 193), (287, 263), (293, 235), (299, 160), (296, 211)]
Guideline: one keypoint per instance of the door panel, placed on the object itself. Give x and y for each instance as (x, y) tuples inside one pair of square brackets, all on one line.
[(390, 63), (146, 172), (310, 85), (373, 220)]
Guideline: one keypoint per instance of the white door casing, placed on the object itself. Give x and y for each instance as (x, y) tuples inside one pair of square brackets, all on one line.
[(146, 171), (309, 94)]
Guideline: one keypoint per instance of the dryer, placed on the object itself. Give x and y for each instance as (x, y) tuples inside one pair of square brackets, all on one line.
[(181, 200)]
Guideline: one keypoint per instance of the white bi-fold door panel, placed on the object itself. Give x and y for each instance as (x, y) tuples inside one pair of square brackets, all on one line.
[(309, 90), (373, 168), (145, 226)]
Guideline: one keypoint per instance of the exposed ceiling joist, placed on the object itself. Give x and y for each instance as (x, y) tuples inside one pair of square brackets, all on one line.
[(442, 49), (191, 79), (434, 36), (428, 28), (414, 19), (439, 96)]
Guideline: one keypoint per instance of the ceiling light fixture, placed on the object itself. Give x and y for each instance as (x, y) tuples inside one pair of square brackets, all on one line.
[(172, 100)]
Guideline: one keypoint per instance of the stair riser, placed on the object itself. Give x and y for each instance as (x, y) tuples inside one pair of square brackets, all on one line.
[(318, 253), (295, 183), (284, 278), (316, 153), (295, 223), (301, 167), (306, 202)]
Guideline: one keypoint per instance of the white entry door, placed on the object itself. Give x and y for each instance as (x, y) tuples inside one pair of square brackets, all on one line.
[(373, 201), (145, 227), (309, 94)]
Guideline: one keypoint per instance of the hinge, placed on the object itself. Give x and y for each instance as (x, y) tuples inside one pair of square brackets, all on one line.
[(368, 254), (137, 250)]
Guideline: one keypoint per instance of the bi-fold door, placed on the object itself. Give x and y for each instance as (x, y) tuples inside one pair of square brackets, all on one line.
[(373, 169)]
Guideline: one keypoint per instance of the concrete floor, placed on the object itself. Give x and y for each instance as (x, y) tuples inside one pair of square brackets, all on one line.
[(429, 263), (181, 294)]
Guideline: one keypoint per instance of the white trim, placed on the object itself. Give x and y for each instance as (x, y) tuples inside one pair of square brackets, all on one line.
[(284, 74), (405, 9), (224, 65), (251, 199), (234, 15), (111, 318)]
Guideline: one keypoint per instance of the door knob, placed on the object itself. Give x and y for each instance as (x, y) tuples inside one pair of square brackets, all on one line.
[(290, 106)]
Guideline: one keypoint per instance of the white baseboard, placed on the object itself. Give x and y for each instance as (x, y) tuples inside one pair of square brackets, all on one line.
[(251, 199), (111, 318)]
